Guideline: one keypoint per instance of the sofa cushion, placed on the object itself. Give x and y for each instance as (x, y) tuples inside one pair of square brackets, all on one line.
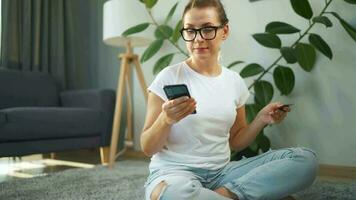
[(29, 123), (23, 88), (2, 118)]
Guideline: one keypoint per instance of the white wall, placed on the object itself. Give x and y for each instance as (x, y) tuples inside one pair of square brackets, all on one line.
[(325, 101)]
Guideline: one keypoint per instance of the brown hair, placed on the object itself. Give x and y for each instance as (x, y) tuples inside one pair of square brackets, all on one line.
[(208, 3)]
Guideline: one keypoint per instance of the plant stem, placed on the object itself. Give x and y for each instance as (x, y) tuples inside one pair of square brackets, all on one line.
[(295, 43), (167, 38)]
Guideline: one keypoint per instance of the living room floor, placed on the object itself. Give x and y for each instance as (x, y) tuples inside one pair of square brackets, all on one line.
[(42, 164)]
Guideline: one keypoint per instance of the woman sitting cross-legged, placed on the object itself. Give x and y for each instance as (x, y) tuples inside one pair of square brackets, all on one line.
[(191, 152)]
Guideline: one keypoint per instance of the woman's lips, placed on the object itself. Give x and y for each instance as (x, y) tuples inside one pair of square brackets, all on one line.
[(201, 49)]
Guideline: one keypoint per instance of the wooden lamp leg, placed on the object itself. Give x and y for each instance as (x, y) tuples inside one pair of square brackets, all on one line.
[(141, 77), (129, 136), (125, 80), (118, 110)]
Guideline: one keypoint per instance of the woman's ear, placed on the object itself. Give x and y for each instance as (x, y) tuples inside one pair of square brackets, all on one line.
[(226, 31)]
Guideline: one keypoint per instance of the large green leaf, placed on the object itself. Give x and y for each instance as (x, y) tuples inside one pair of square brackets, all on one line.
[(150, 3), (170, 14), (284, 79), (136, 29), (302, 8), (163, 62), (289, 54), (351, 1), (152, 50), (281, 28), (251, 111), (234, 63), (263, 92), (268, 40), (163, 32), (321, 45), (254, 146), (251, 70), (306, 56), (176, 33), (263, 142), (323, 20), (350, 30)]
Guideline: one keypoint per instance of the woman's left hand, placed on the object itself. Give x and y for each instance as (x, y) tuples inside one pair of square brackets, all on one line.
[(272, 113)]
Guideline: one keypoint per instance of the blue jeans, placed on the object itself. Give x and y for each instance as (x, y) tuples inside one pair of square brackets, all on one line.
[(272, 175)]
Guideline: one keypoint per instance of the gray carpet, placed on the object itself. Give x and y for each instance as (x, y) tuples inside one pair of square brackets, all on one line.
[(125, 182)]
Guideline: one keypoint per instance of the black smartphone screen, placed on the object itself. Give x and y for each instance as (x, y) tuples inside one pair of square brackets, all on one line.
[(176, 91)]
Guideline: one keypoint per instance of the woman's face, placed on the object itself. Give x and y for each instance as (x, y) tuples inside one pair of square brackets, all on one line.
[(197, 18)]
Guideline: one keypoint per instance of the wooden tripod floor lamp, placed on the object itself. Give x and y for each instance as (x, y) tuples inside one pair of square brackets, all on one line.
[(115, 22)]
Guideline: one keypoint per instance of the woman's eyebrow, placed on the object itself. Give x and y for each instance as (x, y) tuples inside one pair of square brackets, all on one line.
[(205, 24)]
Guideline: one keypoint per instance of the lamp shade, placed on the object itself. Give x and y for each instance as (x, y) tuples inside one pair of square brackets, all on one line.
[(119, 15)]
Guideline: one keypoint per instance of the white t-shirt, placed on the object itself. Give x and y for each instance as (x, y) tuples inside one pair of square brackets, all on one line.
[(201, 140)]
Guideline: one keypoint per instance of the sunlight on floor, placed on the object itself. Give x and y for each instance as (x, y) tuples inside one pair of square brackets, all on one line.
[(33, 166)]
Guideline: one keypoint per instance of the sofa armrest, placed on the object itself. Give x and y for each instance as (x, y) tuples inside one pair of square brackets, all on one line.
[(100, 99)]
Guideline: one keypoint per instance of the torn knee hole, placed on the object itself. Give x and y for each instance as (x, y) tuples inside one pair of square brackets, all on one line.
[(156, 193)]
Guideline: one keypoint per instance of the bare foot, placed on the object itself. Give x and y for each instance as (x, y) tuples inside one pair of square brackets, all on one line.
[(226, 193)]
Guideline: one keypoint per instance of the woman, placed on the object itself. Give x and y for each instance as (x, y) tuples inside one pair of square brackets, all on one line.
[(191, 152)]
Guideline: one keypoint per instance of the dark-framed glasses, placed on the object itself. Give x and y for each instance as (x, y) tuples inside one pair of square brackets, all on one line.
[(207, 32)]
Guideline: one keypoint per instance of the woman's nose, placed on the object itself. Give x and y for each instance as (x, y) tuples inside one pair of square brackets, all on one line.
[(198, 38)]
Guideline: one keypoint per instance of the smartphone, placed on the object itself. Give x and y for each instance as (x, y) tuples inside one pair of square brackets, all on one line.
[(284, 106), (176, 91)]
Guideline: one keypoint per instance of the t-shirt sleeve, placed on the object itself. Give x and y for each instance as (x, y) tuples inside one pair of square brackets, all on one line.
[(244, 93), (163, 78)]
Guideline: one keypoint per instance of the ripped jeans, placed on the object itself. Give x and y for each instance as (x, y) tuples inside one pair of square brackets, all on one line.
[(272, 175)]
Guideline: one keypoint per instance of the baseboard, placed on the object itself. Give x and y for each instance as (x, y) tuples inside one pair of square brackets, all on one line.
[(337, 171)]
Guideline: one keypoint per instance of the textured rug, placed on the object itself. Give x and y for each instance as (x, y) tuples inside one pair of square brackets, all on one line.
[(125, 182)]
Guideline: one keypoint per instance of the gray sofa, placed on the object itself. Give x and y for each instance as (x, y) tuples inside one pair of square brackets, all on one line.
[(35, 117)]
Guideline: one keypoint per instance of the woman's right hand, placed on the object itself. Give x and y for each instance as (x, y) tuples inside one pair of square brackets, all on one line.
[(176, 109)]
